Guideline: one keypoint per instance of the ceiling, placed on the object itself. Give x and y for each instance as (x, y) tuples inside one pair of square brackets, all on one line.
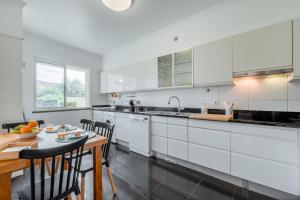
[(89, 25)]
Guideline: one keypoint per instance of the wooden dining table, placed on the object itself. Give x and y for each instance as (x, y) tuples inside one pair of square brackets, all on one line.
[(47, 140)]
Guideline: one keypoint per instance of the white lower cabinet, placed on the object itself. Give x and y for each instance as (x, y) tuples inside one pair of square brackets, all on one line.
[(159, 129), (177, 132), (160, 144), (210, 157), (211, 138), (266, 172), (178, 149), (122, 134)]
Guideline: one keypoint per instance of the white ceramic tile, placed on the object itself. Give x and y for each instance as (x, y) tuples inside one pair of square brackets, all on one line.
[(294, 106), (237, 92), (268, 89), (268, 105), (294, 90)]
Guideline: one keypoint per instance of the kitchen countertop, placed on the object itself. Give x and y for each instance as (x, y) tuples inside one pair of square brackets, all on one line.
[(266, 118)]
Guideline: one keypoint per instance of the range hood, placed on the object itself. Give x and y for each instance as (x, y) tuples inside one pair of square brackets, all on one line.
[(265, 72)]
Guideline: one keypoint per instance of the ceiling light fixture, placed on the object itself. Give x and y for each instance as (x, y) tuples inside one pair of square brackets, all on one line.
[(117, 5)]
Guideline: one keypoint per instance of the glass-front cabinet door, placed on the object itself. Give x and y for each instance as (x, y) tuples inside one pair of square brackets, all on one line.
[(165, 71), (183, 68)]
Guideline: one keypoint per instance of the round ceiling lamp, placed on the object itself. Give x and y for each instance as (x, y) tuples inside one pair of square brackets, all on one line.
[(117, 5)]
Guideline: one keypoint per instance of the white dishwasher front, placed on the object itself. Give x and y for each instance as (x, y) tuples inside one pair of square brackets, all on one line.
[(139, 134)]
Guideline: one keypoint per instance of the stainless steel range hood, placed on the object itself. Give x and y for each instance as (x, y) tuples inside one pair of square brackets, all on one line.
[(262, 72)]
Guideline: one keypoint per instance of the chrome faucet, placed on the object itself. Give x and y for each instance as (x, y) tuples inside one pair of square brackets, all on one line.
[(175, 97)]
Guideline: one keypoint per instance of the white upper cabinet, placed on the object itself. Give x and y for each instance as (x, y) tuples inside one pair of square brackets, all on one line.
[(138, 76), (265, 48), (213, 63), (183, 68), (296, 50)]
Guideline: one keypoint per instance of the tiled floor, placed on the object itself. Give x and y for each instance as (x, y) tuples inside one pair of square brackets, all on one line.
[(140, 178)]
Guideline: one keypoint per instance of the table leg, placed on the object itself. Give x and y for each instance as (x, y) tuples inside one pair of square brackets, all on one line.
[(97, 161), (5, 186)]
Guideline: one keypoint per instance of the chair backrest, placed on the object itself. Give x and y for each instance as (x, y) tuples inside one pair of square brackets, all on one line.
[(87, 124), (68, 179), (106, 130), (9, 126)]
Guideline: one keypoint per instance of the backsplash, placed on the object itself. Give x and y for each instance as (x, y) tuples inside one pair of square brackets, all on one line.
[(269, 94)]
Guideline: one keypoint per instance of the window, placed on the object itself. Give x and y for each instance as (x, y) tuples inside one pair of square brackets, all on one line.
[(59, 86)]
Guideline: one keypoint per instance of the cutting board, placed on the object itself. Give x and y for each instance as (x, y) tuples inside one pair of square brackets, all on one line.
[(213, 117)]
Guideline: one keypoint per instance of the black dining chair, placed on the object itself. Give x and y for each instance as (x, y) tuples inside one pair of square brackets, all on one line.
[(57, 186), (106, 130), (9, 126), (87, 124)]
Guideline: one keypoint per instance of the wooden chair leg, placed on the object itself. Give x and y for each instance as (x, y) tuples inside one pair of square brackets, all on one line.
[(78, 197), (112, 183), (82, 189), (48, 167)]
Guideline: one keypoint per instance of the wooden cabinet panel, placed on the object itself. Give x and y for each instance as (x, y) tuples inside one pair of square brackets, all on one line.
[(211, 138), (265, 48), (122, 134), (177, 132), (210, 157), (296, 48), (178, 149), (264, 147), (159, 129), (213, 63), (269, 173), (222, 126), (160, 144)]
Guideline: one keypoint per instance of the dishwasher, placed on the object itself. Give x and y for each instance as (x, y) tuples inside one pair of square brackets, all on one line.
[(139, 134)]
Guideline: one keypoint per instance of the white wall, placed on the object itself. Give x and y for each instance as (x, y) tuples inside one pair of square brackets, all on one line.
[(38, 47), (229, 18), (11, 23), (11, 34)]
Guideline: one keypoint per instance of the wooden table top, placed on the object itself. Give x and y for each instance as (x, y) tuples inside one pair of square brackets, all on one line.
[(45, 140)]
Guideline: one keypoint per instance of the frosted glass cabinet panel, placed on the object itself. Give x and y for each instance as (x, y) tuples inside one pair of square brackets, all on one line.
[(183, 68), (165, 71)]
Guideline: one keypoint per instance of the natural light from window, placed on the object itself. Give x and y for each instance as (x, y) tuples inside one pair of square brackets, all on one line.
[(60, 86)]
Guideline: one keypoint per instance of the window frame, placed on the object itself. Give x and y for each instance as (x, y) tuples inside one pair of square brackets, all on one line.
[(65, 67)]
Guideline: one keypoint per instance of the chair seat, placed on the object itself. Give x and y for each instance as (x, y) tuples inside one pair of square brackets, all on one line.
[(25, 194)]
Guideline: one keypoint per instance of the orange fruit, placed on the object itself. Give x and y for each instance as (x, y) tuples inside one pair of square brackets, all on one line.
[(32, 124), (25, 129)]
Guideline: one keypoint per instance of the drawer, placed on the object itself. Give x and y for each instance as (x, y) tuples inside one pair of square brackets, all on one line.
[(264, 147), (267, 131), (159, 144), (122, 134), (178, 149), (122, 122), (159, 129), (209, 157), (177, 132), (269, 173), (207, 137), (221, 126), (177, 121), (159, 119), (122, 115)]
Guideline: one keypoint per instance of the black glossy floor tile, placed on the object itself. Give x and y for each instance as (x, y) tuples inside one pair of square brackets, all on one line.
[(243, 194), (140, 178)]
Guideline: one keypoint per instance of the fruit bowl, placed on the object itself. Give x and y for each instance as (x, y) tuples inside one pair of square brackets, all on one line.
[(29, 135)]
